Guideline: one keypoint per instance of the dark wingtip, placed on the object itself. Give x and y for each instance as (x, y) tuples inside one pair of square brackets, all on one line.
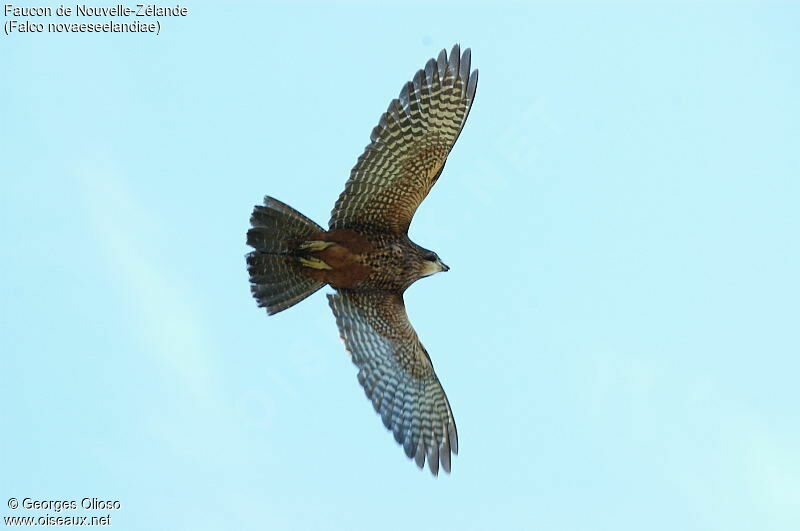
[(419, 458), (433, 460)]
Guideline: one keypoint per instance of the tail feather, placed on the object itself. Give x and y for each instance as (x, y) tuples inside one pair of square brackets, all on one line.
[(277, 280), (274, 223)]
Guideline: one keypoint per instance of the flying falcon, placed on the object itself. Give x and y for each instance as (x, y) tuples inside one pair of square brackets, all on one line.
[(367, 257)]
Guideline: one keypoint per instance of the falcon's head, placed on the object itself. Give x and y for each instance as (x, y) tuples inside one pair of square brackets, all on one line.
[(431, 263)]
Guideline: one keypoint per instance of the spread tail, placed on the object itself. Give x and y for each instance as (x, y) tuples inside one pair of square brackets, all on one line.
[(276, 277)]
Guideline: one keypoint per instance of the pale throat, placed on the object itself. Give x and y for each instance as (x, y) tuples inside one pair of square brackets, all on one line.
[(429, 268)]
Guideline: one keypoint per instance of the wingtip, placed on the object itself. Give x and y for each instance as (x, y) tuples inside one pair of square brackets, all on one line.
[(433, 460), (466, 62), (472, 85), (417, 80), (441, 63), (455, 50), (408, 447), (419, 457), (444, 455), (430, 68), (453, 65), (452, 434)]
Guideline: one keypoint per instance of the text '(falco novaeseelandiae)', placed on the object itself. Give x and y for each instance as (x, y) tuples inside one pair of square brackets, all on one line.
[(367, 257)]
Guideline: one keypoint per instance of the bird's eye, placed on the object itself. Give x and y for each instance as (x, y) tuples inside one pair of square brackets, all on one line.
[(430, 257)]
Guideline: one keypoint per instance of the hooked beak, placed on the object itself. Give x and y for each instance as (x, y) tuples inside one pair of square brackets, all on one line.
[(443, 266)]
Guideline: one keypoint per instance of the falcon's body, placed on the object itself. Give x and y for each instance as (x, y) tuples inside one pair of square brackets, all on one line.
[(367, 257), (361, 261)]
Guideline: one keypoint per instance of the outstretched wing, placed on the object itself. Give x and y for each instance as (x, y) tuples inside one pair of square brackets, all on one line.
[(397, 374), (409, 147)]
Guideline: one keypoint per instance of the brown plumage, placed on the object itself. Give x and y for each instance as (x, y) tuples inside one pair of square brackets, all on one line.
[(367, 257)]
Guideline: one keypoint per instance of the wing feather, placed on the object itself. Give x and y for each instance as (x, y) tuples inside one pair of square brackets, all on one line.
[(408, 147), (397, 375)]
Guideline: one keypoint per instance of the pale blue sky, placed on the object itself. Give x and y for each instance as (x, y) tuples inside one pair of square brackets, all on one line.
[(618, 335)]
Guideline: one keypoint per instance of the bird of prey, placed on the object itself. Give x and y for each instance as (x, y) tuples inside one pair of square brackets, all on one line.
[(368, 258)]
